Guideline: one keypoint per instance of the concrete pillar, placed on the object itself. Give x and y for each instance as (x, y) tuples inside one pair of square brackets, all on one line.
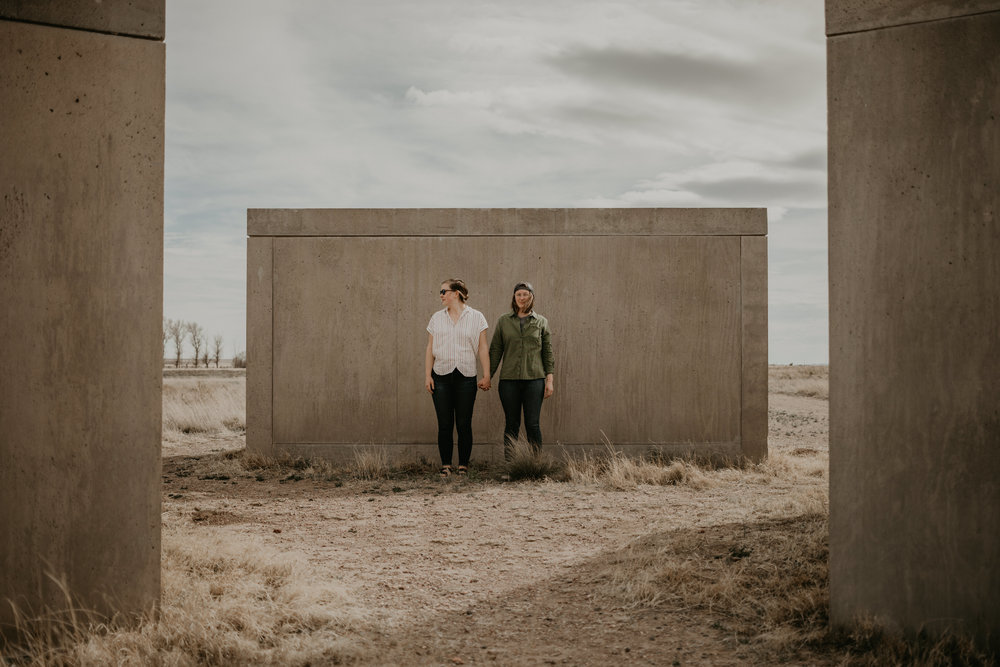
[(914, 132), (81, 266)]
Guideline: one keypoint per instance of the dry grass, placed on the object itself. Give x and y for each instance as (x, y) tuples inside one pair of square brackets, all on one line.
[(615, 470), (761, 579), (284, 466), (870, 644), (371, 462), (524, 463), (764, 579), (205, 405), (812, 381), (224, 602)]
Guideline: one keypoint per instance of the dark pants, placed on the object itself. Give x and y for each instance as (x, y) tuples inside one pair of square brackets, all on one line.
[(517, 396), (454, 395)]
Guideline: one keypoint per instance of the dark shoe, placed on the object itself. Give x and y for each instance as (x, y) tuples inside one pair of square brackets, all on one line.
[(446, 471), (462, 471)]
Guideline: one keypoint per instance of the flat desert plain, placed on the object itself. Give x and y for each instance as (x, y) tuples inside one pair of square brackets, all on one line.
[(607, 562)]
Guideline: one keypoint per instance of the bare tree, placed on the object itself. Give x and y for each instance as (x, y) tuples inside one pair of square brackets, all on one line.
[(204, 357), (175, 332), (216, 349), (197, 336), (166, 335)]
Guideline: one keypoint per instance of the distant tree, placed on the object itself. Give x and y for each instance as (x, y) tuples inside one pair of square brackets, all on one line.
[(197, 336), (166, 335), (204, 357), (216, 349), (240, 360), (175, 332)]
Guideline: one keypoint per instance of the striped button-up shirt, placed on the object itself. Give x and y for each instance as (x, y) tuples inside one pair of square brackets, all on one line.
[(456, 344)]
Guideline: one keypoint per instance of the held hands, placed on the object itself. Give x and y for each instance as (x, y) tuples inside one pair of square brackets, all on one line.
[(484, 384), (429, 384)]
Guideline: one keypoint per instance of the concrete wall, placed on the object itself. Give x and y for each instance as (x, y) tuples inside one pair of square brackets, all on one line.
[(914, 107), (659, 322), (81, 265)]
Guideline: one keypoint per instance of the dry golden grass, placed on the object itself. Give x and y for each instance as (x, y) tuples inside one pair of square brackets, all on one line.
[(615, 470), (204, 405), (284, 466), (224, 602), (371, 462), (812, 381), (763, 580), (524, 463), (870, 644)]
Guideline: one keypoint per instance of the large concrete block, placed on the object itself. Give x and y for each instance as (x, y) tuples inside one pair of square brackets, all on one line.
[(843, 16), (914, 321), (660, 333), (137, 18), (505, 222), (81, 266)]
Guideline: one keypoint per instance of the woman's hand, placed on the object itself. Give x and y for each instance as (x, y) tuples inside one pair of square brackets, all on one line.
[(429, 384), (550, 387), (484, 384)]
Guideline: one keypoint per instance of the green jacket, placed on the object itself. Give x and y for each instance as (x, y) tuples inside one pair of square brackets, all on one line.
[(527, 355)]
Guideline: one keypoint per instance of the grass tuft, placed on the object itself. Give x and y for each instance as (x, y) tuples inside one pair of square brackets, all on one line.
[(525, 463), (616, 470), (371, 463)]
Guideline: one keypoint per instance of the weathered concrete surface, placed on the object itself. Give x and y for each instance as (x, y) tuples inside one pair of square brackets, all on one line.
[(138, 18), (650, 335), (81, 266), (914, 321), (504, 222), (844, 16)]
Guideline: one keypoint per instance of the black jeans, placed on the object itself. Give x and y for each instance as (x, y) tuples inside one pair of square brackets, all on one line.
[(454, 396), (517, 396)]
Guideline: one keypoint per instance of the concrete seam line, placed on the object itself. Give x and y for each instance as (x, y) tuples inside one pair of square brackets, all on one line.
[(905, 24)]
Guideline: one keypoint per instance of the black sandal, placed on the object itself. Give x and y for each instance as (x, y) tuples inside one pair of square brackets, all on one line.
[(446, 471), (462, 470)]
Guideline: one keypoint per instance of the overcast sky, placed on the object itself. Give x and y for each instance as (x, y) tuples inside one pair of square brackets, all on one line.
[(458, 103)]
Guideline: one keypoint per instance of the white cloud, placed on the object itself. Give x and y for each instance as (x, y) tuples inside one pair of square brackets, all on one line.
[(451, 103)]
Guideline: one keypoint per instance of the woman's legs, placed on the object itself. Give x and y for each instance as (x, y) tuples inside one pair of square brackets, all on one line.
[(465, 399), (454, 397), (510, 399), (444, 406), (531, 398), (517, 396)]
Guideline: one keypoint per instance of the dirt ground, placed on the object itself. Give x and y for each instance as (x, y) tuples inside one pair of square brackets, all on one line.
[(469, 571)]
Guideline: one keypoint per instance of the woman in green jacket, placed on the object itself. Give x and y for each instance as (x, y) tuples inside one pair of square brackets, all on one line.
[(521, 339)]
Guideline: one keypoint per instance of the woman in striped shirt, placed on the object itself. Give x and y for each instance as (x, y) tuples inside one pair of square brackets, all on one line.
[(456, 335)]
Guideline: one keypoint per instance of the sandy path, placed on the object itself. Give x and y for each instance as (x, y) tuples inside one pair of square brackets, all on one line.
[(464, 572)]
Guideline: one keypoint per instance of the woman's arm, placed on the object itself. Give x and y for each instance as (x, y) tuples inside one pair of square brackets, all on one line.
[(496, 349), (548, 361), (429, 364), (484, 361)]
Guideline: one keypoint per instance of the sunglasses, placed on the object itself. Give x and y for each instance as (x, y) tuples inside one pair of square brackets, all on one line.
[(445, 291)]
